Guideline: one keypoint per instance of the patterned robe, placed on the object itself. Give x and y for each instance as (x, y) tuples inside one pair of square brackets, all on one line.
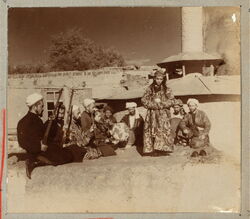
[(157, 131), (82, 140)]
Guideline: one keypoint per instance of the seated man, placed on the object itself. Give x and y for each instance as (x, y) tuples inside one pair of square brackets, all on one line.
[(102, 136), (178, 111), (135, 123), (108, 117), (30, 132), (195, 127), (87, 115), (176, 116), (56, 152), (80, 142)]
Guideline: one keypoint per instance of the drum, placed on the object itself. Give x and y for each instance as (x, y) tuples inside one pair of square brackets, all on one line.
[(120, 132)]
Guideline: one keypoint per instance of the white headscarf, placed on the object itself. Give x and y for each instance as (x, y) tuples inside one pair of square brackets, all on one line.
[(87, 102)]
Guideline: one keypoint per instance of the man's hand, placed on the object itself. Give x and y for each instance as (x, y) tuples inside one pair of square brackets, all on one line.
[(52, 117), (44, 147), (157, 100), (185, 131), (92, 128)]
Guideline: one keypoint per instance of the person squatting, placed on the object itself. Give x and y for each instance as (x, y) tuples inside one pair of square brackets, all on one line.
[(94, 133)]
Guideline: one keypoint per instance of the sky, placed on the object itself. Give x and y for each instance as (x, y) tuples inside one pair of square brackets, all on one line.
[(144, 36)]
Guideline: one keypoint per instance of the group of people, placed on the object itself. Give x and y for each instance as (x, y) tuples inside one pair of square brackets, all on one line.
[(94, 132)]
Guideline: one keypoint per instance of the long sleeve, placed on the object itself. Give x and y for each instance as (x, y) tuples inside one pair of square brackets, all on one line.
[(184, 122), (167, 104), (86, 122), (30, 131), (124, 119), (169, 100), (207, 124), (148, 102)]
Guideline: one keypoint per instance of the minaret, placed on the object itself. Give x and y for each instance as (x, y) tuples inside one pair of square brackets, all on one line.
[(192, 58), (192, 23)]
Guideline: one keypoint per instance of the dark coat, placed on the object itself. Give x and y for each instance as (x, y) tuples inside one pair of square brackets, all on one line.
[(56, 133), (109, 121), (56, 152), (30, 132), (138, 128), (86, 121)]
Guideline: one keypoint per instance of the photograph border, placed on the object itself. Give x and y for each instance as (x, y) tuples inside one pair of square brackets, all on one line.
[(245, 137)]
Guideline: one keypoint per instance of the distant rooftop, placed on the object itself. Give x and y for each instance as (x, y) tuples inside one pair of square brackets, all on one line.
[(186, 56)]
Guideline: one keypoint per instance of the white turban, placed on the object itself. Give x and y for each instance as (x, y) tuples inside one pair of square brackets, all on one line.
[(74, 108), (193, 100), (87, 102), (130, 105), (33, 98)]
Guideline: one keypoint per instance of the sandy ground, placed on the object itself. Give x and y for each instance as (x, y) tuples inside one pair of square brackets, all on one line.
[(131, 183)]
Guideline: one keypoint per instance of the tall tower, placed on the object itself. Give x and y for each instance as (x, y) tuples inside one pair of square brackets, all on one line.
[(192, 59), (192, 23)]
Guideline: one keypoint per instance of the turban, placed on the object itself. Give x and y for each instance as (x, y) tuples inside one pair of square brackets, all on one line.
[(130, 105), (75, 107), (87, 102), (178, 102), (193, 100), (33, 98)]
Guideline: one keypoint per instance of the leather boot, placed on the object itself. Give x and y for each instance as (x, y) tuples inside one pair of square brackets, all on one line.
[(30, 166), (195, 154), (45, 160), (203, 153)]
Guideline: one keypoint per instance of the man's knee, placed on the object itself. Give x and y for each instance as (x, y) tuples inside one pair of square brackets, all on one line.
[(197, 142), (131, 138)]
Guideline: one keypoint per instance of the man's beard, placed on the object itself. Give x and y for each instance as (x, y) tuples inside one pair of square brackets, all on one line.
[(40, 114), (132, 113)]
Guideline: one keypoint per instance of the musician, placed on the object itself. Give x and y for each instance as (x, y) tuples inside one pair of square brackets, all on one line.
[(30, 132), (80, 143), (56, 152), (87, 115)]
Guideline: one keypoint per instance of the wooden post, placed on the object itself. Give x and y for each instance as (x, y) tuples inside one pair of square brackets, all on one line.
[(167, 76), (183, 71), (211, 70)]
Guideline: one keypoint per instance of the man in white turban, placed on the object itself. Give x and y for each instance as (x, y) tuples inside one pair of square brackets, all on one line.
[(135, 123), (87, 115), (195, 127), (79, 140), (35, 103), (82, 132), (30, 132)]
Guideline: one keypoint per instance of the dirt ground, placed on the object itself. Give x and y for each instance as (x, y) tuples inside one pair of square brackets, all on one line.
[(131, 183)]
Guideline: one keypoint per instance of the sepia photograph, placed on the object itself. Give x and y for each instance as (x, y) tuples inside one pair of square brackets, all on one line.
[(124, 109)]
